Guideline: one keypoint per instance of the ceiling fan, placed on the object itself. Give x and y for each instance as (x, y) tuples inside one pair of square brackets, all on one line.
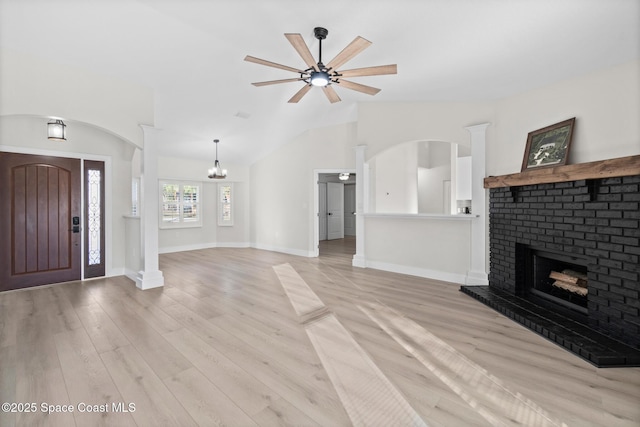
[(325, 76)]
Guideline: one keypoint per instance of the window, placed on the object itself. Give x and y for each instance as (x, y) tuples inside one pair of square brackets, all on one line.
[(225, 204), (180, 203)]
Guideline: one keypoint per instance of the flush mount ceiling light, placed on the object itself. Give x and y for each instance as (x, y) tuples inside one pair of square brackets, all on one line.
[(326, 76), (56, 130), (217, 172), (343, 176)]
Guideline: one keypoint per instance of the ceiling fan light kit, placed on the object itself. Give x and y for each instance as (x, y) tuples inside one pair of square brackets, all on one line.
[(319, 78), (324, 76)]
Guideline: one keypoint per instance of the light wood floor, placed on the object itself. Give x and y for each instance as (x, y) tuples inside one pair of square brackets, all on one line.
[(221, 344)]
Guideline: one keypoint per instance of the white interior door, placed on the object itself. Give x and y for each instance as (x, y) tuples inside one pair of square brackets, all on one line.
[(335, 210), (350, 210), (322, 211)]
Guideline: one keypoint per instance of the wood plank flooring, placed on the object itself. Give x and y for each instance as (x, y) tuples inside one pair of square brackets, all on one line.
[(221, 344)]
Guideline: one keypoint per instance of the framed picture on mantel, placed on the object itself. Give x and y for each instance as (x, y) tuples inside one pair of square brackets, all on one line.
[(548, 147)]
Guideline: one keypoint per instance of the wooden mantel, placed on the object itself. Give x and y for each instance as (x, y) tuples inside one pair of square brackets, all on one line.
[(622, 166)]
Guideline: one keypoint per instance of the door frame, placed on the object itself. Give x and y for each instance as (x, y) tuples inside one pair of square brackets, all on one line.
[(322, 218), (316, 205), (350, 213), (108, 217)]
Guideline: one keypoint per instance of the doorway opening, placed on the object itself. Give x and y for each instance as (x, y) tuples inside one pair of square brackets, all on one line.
[(335, 225)]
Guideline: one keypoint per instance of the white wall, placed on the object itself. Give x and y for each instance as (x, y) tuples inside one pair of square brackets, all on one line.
[(435, 248), (282, 187), (210, 234), (31, 86), (103, 117), (133, 258), (431, 177), (606, 105), (395, 173), (29, 135), (409, 178), (463, 178), (383, 125)]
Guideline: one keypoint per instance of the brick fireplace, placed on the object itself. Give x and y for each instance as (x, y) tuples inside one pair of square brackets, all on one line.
[(590, 227)]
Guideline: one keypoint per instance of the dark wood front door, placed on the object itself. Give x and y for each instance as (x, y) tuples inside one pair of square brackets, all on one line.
[(39, 203)]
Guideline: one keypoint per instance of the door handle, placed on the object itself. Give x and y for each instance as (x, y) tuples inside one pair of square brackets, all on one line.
[(75, 221), (329, 213)]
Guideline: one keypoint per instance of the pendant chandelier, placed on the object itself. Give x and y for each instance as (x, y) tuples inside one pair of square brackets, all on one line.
[(217, 172)]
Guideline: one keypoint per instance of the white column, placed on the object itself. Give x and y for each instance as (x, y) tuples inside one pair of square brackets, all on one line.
[(477, 275), (150, 276), (359, 257)]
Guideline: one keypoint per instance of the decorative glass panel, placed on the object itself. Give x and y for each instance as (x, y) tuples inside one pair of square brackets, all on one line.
[(94, 219)]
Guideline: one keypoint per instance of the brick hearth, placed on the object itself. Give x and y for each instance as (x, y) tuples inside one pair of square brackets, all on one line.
[(597, 220)]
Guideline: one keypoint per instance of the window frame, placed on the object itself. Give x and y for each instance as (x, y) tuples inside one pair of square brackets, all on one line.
[(181, 222)]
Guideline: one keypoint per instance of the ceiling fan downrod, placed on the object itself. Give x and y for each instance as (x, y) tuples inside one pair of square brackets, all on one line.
[(321, 34), (321, 77)]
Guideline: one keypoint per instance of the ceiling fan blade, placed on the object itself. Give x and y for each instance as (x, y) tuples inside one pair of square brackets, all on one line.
[(355, 47), (301, 47), (331, 94), (275, 82), (357, 86), (299, 94), (370, 71), (255, 60)]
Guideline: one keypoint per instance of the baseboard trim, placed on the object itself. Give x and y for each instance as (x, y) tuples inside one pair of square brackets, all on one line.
[(149, 279), (289, 251), (233, 245), (113, 272), (131, 274), (196, 247), (359, 261), (417, 271), (477, 278)]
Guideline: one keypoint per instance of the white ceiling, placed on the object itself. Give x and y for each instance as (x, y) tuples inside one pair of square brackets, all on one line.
[(191, 53)]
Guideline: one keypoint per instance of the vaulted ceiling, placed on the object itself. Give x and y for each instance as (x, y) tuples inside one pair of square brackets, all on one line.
[(190, 52)]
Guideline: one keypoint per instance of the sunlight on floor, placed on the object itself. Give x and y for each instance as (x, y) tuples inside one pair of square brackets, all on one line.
[(366, 393), (484, 392)]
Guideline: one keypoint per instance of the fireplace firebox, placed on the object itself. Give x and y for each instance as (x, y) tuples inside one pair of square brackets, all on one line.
[(555, 280)]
